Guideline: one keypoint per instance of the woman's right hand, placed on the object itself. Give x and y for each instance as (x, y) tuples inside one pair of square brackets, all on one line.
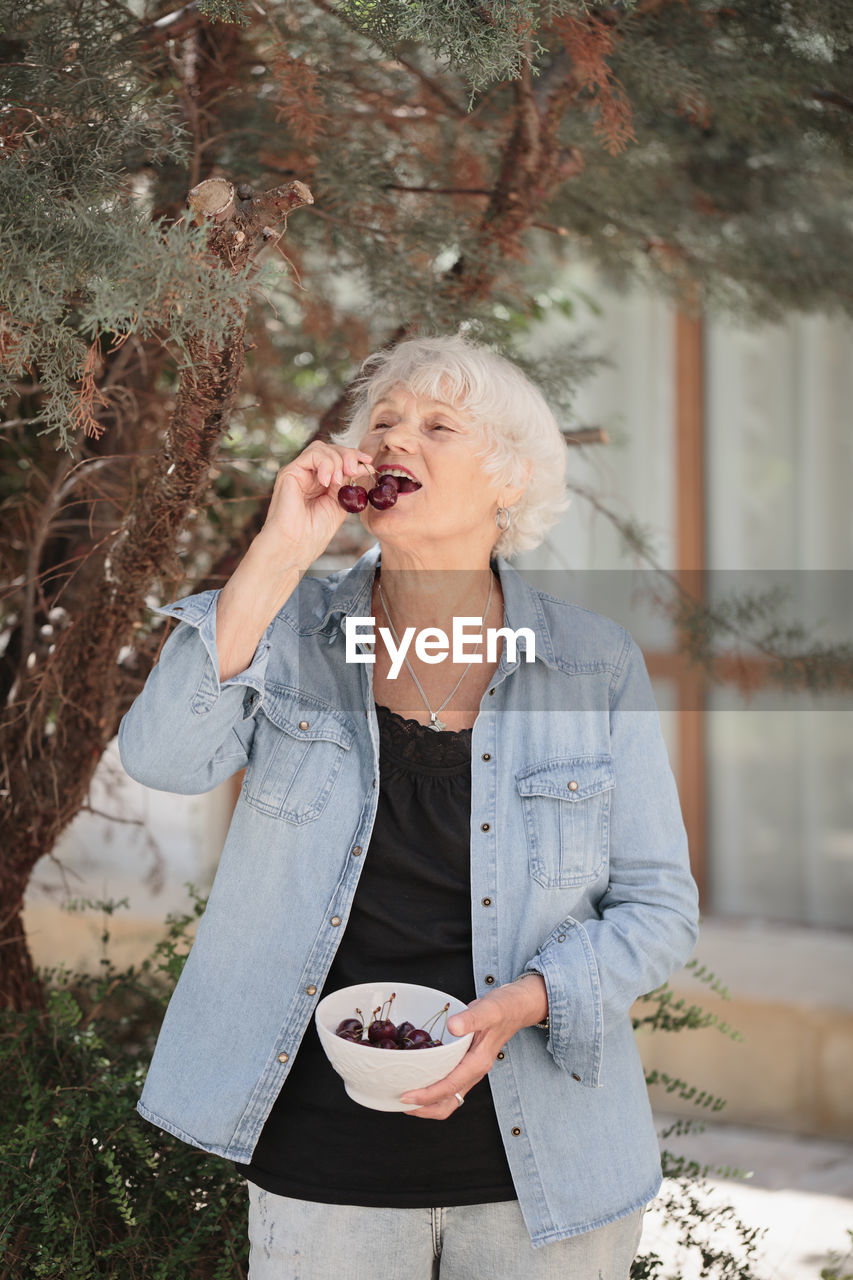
[(304, 512), (303, 516)]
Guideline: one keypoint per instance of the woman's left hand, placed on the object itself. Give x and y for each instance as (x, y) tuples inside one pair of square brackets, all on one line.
[(494, 1019)]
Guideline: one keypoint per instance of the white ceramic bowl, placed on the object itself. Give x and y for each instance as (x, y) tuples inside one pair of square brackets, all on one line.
[(376, 1077)]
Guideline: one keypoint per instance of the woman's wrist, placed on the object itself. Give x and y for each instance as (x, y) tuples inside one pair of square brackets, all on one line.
[(534, 980), (260, 585)]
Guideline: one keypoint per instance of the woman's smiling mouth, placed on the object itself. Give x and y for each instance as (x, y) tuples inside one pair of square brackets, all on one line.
[(406, 481)]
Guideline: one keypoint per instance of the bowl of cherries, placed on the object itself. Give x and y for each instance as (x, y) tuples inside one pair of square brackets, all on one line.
[(383, 1038)]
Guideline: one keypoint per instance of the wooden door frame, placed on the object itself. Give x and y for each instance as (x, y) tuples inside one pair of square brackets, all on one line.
[(691, 561)]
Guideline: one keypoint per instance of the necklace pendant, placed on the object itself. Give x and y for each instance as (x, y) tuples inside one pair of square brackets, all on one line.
[(435, 723)]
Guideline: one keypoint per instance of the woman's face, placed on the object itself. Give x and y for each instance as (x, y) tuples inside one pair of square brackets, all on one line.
[(435, 444)]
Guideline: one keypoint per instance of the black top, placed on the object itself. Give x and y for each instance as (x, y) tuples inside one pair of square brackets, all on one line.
[(411, 920)]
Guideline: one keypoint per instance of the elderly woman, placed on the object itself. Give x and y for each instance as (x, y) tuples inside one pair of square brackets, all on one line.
[(500, 823)]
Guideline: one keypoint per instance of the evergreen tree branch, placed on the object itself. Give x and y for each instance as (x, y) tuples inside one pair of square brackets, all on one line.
[(428, 82), (833, 96), (77, 689), (439, 191)]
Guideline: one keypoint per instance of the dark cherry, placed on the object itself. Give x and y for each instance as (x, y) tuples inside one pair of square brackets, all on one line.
[(417, 1038), (352, 497), (381, 1029), (382, 1034), (385, 493)]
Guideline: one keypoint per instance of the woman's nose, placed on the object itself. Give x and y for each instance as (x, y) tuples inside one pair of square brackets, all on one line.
[(399, 435)]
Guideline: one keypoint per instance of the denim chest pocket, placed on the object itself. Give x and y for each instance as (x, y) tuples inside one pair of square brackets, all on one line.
[(299, 746), (566, 807)]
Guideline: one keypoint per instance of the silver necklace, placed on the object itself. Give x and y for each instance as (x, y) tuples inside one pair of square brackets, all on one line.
[(434, 722)]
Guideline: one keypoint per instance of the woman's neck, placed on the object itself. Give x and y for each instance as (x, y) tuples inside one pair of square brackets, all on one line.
[(434, 597)]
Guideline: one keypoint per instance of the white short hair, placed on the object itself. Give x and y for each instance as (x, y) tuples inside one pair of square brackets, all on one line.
[(521, 437)]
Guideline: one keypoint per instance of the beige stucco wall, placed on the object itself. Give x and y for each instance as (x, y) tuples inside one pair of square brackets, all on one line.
[(792, 1000)]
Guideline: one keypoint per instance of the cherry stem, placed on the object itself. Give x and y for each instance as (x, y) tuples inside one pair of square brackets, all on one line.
[(429, 1025), (386, 1013)]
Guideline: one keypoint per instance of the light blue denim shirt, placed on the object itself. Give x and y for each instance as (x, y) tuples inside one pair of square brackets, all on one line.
[(579, 869)]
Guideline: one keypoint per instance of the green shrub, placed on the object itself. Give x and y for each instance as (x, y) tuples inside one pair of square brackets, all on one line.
[(839, 1267), (90, 1189)]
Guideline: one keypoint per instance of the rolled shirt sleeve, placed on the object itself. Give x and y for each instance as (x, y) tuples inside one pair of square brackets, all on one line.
[(188, 731), (647, 921)]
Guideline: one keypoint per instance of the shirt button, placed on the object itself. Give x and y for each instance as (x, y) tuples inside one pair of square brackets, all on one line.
[(484, 826), (487, 902), (311, 991), (561, 937), (489, 979), (282, 1057), (575, 1076), (356, 851), (335, 920), (573, 786), (303, 724), (515, 1131), (491, 693), (487, 755), (501, 1056)]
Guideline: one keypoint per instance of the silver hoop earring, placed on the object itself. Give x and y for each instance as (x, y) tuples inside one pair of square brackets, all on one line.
[(503, 518)]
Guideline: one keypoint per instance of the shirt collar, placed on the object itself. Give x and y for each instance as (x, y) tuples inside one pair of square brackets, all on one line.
[(522, 604)]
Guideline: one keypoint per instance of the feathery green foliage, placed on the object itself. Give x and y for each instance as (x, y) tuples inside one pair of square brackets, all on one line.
[(235, 11), (89, 1189)]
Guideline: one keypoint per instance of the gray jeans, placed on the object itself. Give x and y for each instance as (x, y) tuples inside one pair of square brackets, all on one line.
[(303, 1240)]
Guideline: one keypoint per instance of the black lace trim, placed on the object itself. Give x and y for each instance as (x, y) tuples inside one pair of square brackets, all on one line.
[(416, 745)]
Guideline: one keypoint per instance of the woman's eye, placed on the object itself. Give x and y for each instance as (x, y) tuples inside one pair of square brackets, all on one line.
[(433, 426)]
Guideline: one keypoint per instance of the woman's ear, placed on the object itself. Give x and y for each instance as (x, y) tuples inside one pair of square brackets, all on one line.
[(508, 497)]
